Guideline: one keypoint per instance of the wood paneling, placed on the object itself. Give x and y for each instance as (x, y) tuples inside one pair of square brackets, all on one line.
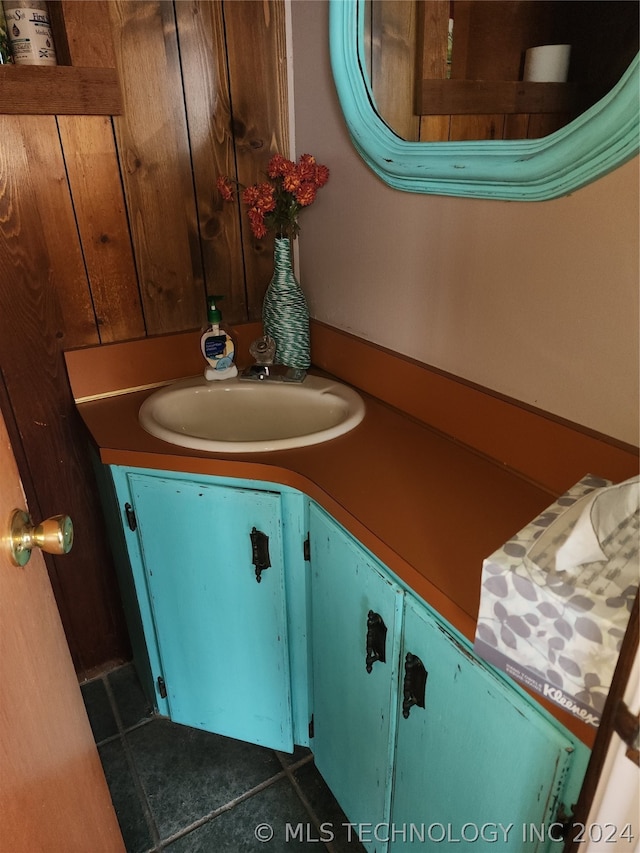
[(111, 229), (393, 56), (45, 307), (256, 50), (432, 37), (91, 161), (208, 105), (95, 186), (40, 240), (156, 169), (78, 19)]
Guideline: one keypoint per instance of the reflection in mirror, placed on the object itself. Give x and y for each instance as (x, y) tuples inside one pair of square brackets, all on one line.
[(456, 69), (433, 96)]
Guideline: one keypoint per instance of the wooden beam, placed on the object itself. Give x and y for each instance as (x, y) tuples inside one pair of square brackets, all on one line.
[(475, 97), (63, 90)]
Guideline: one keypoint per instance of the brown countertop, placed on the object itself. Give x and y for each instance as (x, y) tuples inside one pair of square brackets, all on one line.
[(429, 507)]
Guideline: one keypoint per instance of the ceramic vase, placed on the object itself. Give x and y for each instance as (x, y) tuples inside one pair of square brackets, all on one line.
[(285, 315)]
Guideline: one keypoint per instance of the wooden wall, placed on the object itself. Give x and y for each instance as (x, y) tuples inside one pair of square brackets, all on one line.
[(111, 229)]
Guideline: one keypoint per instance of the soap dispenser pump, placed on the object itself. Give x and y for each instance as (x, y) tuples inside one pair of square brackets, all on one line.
[(217, 345)]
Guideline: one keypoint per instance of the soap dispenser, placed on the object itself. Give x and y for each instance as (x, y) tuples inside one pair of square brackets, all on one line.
[(217, 345)]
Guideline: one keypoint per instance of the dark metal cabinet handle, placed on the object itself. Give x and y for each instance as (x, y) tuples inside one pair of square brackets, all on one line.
[(376, 639), (415, 682), (260, 552), (131, 516)]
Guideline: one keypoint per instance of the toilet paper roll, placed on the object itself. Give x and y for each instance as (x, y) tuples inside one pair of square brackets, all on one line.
[(548, 63)]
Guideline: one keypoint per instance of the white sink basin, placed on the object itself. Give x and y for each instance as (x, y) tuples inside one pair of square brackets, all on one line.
[(234, 416)]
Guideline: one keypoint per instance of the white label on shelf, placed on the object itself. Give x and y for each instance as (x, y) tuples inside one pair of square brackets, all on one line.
[(30, 35)]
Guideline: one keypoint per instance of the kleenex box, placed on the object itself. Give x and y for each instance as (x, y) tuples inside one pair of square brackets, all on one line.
[(556, 599)]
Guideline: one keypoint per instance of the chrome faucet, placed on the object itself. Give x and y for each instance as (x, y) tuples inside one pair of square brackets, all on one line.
[(263, 351)]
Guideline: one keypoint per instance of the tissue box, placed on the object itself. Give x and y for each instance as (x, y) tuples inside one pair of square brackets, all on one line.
[(559, 632)]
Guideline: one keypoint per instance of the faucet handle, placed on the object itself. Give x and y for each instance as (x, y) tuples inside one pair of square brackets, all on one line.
[(263, 350)]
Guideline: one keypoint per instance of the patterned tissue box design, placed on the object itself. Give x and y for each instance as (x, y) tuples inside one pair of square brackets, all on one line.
[(559, 633)]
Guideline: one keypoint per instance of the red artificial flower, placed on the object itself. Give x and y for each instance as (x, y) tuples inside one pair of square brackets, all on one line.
[(306, 194), (256, 221), (279, 166), (307, 167), (276, 204), (291, 182), (224, 188), (260, 197), (321, 175)]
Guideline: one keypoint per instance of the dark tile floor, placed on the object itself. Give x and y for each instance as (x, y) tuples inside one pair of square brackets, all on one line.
[(182, 790)]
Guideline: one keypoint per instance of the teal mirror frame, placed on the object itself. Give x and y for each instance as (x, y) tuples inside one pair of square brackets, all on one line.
[(598, 141)]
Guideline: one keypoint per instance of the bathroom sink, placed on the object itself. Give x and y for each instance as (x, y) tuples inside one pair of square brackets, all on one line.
[(232, 416)]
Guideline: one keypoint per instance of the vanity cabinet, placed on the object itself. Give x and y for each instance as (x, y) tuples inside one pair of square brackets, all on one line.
[(430, 745), (208, 562), (240, 628)]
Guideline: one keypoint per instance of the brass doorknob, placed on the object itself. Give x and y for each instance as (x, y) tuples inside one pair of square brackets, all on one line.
[(54, 535)]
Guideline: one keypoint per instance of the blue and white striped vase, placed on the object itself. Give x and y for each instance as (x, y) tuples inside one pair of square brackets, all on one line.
[(285, 315)]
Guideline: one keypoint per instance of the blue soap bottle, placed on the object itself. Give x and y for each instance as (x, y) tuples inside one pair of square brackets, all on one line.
[(217, 345)]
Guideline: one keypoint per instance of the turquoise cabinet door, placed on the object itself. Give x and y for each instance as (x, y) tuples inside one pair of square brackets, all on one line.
[(222, 635), (477, 763), (353, 710)]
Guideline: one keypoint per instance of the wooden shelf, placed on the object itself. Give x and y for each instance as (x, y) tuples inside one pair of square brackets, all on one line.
[(504, 97), (84, 83), (59, 90)]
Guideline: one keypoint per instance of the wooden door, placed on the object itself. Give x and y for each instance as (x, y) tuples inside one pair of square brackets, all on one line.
[(53, 794), (222, 634), (353, 709)]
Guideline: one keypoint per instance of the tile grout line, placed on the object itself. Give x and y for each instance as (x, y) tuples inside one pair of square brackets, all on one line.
[(158, 844), (289, 771), (129, 730), (226, 807), (239, 799), (142, 796)]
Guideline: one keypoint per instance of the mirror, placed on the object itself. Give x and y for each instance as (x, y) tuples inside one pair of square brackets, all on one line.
[(457, 70), (600, 139)]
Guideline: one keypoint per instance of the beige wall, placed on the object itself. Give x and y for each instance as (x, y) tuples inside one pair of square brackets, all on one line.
[(536, 300)]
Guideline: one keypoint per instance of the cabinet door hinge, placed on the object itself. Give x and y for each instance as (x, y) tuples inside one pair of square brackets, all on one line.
[(162, 687), (311, 730), (306, 549), (131, 516)]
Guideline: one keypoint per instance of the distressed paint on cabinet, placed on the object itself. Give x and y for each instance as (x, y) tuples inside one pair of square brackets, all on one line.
[(222, 635), (200, 537), (353, 710), (476, 755)]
